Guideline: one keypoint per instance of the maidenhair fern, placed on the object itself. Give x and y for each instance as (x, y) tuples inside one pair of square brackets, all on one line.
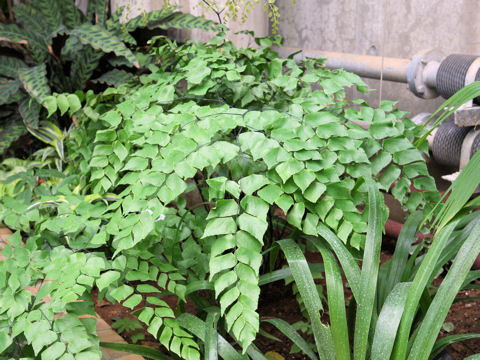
[(168, 187)]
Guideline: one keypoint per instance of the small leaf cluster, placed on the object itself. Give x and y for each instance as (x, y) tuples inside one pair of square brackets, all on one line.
[(172, 183)]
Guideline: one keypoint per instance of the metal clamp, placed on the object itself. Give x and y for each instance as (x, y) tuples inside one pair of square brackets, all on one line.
[(421, 73)]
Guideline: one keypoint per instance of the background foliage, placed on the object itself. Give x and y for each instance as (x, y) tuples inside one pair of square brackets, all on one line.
[(54, 47)]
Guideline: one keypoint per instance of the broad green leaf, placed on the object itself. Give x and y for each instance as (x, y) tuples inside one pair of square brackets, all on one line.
[(220, 226)]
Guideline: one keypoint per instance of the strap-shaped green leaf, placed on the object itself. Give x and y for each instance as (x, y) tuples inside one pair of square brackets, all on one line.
[(197, 327), (290, 332), (35, 81), (437, 312), (368, 277), (137, 350), (388, 321), (415, 291), (101, 39), (306, 286)]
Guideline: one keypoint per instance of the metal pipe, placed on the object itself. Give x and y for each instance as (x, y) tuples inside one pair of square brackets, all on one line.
[(394, 69)]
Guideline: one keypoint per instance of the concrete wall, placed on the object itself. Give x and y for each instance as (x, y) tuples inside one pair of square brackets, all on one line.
[(256, 21), (392, 28)]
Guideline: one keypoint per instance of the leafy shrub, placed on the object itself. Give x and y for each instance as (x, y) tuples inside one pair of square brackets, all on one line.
[(175, 183), (58, 48)]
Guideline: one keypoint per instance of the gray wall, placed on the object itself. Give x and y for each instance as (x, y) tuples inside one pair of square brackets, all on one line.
[(394, 28)]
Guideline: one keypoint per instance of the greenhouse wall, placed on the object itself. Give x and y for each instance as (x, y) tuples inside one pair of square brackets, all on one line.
[(370, 27)]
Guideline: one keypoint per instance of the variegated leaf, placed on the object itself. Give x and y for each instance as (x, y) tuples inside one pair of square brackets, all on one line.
[(97, 11), (72, 16), (114, 77), (9, 66), (12, 34), (83, 66), (50, 11), (101, 39), (8, 90), (119, 30), (29, 111), (71, 49), (31, 19), (180, 20), (148, 19), (10, 130), (35, 81)]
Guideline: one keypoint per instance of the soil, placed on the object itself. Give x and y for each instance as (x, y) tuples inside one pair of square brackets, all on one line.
[(278, 300)]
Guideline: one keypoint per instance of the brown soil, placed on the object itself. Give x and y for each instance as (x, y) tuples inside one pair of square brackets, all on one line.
[(278, 300)]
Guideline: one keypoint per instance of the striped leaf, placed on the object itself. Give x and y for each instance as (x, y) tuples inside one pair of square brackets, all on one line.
[(180, 20), (97, 11), (72, 16), (9, 66), (83, 66), (13, 35), (148, 20), (29, 110), (50, 12), (114, 77), (101, 39), (7, 90), (71, 49), (35, 81), (50, 134), (10, 130), (31, 19)]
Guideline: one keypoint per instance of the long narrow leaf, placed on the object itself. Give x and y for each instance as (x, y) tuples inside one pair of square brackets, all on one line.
[(197, 328), (369, 274), (451, 339), (289, 331), (285, 273), (349, 265), (136, 349), (467, 93), (402, 249), (336, 303), (211, 336), (416, 289), (461, 191), (445, 295), (306, 287), (388, 321)]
